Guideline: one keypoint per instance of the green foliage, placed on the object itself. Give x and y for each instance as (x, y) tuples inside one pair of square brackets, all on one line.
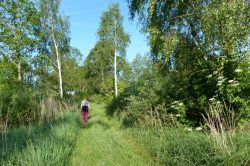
[(74, 84), (18, 29), (201, 51), (142, 98), (19, 107), (28, 69), (111, 30), (98, 67), (18, 102)]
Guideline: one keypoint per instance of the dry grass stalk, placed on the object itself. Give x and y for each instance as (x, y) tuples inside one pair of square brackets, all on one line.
[(50, 108), (221, 120)]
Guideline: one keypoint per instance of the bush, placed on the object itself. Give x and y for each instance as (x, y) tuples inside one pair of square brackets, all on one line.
[(19, 107)]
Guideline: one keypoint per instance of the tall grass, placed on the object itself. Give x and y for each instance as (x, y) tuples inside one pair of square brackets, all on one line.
[(221, 121), (176, 146), (48, 143)]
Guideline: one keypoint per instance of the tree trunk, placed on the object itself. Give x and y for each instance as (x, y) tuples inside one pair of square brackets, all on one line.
[(58, 59), (59, 73), (115, 63), (19, 67), (115, 76), (19, 71), (102, 76)]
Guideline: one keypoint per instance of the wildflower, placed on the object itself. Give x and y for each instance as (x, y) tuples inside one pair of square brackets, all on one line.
[(218, 102), (220, 82), (215, 72), (181, 104), (198, 128), (172, 106), (238, 71), (177, 115), (231, 81), (189, 129), (209, 76), (235, 84), (212, 99), (220, 77), (175, 102)]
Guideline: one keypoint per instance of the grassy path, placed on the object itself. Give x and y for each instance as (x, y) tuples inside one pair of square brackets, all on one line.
[(104, 142)]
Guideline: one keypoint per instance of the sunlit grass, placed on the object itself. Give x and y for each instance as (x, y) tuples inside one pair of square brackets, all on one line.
[(104, 142), (41, 144)]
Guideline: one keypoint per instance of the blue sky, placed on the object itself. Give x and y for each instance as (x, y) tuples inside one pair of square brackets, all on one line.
[(85, 20)]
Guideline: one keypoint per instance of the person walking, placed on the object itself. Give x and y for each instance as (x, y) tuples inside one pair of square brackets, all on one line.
[(85, 109)]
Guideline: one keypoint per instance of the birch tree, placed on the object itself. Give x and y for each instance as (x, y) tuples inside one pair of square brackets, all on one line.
[(111, 30), (56, 29)]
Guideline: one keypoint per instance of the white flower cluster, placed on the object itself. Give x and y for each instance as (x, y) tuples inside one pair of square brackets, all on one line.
[(234, 82), (238, 71), (221, 79), (209, 76), (190, 129), (211, 99), (198, 128), (215, 72), (177, 103)]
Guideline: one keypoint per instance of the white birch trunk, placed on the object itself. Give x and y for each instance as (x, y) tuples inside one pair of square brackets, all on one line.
[(58, 59), (19, 71), (60, 74), (115, 63), (115, 75), (102, 76)]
